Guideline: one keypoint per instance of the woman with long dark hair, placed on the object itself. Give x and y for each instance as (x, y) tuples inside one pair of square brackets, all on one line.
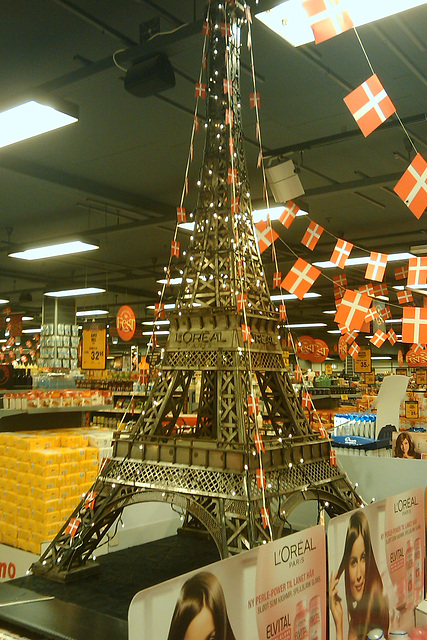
[(200, 612), (367, 606)]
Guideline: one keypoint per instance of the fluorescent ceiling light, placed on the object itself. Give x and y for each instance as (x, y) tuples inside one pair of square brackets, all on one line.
[(305, 325), (186, 226), (32, 118), (49, 251), (381, 358), (331, 312), (172, 281), (352, 262), (292, 296), (393, 321), (24, 318), (273, 212), (37, 330), (418, 249), (290, 21), (3, 300), (92, 312), (67, 293), (151, 323), (417, 287), (156, 333), (334, 331)]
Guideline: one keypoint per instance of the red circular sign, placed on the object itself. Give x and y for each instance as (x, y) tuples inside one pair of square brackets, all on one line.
[(342, 348), (126, 322)]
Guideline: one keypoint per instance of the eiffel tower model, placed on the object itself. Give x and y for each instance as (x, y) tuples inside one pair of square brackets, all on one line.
[(240, 473)]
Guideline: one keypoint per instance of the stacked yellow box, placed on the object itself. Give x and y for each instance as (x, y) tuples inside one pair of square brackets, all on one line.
[(45, 474)]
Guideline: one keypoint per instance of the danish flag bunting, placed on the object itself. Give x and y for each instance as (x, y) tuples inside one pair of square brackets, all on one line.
[(196, 124), (246, 333), (350, 337), (300, 278), (181, 214), (225, 29), (241, 301), (228, 86), (378, 338), (376, 266), (353, 309), (232, 175), (248, 14), (159, 310), (206, 31), (327, 19), (392, 337), (90, 500), (412, 186), (353, 350), (259, 160), (400, 273), (323, 433), (340, 280), (306, 400), (253, 405), (379, 290), (405, 297), (288, 215), (282, 312), (367, 288), (265, 517), (266, 235), (298, 373), (229, 117), (341, 252), (72, 527), (370, 105), (417, 272), (231, 145), (200, 90), (384, 314), (312, 235), (372, 314), (254, 99), (414, 325), (333, 458), (277, 279), (260, 478), (416, 348), (257, 131), (175, 248), (259, 443)]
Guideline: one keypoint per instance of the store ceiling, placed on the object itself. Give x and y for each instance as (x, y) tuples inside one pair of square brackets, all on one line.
[(117, 175)]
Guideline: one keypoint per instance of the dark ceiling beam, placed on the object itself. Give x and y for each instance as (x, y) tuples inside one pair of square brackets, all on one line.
[(353, 184), (78, 183)]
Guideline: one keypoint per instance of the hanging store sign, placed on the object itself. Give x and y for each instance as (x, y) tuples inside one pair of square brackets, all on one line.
[(94, 347), (342, 348), (126, 322), (417, 359), (362, 363), (370, 377), (312, 349)]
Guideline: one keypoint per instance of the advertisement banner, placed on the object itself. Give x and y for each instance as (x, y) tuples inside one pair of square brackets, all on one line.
[(275, 592), (376, 566)]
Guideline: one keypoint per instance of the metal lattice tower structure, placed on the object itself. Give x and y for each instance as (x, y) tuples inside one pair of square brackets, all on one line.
[(238, 474)]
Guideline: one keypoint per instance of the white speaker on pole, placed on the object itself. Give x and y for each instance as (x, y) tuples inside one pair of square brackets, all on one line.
[(284, 182)]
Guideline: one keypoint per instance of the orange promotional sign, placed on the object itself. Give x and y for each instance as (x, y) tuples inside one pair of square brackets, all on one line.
[(342, 348), (126, 322), (312, 349), (418, 359)]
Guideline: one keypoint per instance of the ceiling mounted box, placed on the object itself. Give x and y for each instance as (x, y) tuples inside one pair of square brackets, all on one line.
[(284, 182), (149, 77)]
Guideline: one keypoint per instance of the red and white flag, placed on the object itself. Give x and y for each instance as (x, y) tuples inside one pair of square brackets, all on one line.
[(90, 500), (370, 105), (266, 235), (277, 279), (376, 266), (181, 215), (159, 310), (405, 297), (234, 204), (306, 400), (232, 175), (327, 18), (333, 458), (350, 337), (229, 117), (400, 273), (226, 29), (72, 527), (265, 517), (175, 248), (253, 405), (412, 186), (282, 312), (379, 290), (289, 212), (260, 478), (241, 301), (372, 314), (200, 90), (340, 280), (300, 278), (341, 252), (417, 272), (414, 325), (378, 338), (254, 99), (206, 31), (392, 337), (312, 235), (353, 350), (246, 333), (259, 443), (417, 347), (367, 288), (353, 309), (227, 86), (298, 373), (384, 314)]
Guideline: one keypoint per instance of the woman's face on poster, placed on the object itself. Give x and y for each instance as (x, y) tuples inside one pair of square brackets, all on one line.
[(357, 565), (404, 445), (201, 627)]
